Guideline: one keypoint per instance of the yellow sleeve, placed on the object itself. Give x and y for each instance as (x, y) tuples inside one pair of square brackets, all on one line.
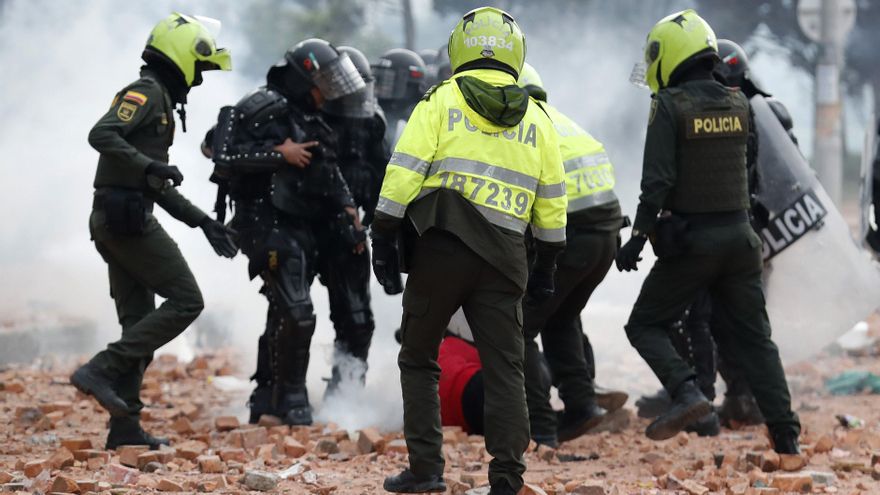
[(549, 211), (411, 160)]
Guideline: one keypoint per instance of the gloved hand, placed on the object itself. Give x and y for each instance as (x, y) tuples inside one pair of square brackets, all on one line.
[(541, 286), (220, 237), (165, 172), (386, 265), (628, 256)]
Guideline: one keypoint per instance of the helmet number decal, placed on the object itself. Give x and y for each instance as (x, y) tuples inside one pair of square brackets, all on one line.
[(488, 42)]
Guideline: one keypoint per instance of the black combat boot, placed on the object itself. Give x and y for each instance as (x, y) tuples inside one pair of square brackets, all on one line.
[(407, 482), (575, 422), (707, 426), (740, 410), (651, 406), (293, 406), (546, 440), (91, 379), (786, 442), (126, 430), (260, 403), (502, 488), (688, 405)]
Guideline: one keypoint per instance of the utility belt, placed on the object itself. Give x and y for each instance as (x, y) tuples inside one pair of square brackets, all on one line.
[(125, 210), (672, 231)]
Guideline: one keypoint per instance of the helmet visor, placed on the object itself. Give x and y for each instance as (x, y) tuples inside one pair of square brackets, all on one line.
[(358, 105), (386, 82), (338, 78), (639, 75)]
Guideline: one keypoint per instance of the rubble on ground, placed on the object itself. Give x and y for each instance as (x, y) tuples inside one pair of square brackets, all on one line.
[(53, 440)]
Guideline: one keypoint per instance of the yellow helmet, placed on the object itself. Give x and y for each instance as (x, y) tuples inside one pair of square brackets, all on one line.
[(190, 45), (487, 38), (676, 39), (530, 80)]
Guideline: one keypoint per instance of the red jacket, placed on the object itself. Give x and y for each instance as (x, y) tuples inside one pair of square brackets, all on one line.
[(459, 361)]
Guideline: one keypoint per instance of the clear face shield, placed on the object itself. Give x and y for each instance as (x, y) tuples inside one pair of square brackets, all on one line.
[(639, 75), (386, 81), (338, 78)]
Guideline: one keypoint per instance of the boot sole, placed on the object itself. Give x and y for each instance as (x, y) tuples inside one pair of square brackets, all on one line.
[(670, 428), (581, 430), (611, 401), (418, 488), (115, 409)]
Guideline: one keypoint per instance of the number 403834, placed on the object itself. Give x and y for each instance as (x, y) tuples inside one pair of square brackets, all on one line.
[(498, 196)]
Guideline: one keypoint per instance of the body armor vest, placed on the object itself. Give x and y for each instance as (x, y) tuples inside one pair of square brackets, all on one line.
[(711, 151)]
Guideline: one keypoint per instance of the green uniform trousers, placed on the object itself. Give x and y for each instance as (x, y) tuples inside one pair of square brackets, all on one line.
[(580, 269), (445, 275), (141, 267), (726, 261)]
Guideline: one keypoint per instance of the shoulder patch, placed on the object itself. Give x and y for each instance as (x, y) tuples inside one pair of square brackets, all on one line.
[(135, 97), (126, 111)]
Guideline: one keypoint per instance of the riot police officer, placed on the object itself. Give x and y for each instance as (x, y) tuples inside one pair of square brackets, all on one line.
[(695, 173), (400, 83), (133, 174), (464, 183), (276, 157), (359, 124), (592, 232)]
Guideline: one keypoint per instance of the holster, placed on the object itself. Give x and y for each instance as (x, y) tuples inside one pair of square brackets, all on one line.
[(125, 210), (670, 236)]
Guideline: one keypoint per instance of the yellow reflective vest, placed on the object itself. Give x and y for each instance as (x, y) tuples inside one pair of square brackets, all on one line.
[(512, 176), (589, 174)]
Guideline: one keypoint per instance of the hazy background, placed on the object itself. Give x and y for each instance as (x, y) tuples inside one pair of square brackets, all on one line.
[(61, 62)]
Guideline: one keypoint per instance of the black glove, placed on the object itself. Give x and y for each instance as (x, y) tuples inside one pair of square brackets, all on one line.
[(541, 286), (165, 172), (220, 237), (348, 231), (386, 264), (628, 256)]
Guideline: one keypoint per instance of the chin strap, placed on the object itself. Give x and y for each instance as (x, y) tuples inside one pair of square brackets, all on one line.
[(181, 112)]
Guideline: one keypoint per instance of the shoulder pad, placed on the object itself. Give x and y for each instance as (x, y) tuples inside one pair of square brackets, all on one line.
[(781, 113), (261, 106), (433, 89), (379, 117)]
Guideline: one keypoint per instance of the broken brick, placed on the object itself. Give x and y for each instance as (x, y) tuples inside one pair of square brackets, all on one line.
[(128, 454), (370, 440), (292, 448), (794, 482), (226, 423), (210, 464), (63, 484)]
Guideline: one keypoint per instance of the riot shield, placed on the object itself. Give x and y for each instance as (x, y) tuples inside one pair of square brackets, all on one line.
[(818, 282), (866, 182)]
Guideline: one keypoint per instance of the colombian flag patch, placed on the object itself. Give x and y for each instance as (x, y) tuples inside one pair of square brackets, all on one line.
[(135, 97)]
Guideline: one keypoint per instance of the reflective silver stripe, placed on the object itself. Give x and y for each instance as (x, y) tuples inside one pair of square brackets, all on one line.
[(549, 235), (484, 170), (599, 198), (409, 162), (550, 190), (503, 220), (585, 161), (494, 217), (389, 207)]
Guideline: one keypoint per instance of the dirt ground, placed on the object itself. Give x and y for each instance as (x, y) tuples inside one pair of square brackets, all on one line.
[(52, 440)]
